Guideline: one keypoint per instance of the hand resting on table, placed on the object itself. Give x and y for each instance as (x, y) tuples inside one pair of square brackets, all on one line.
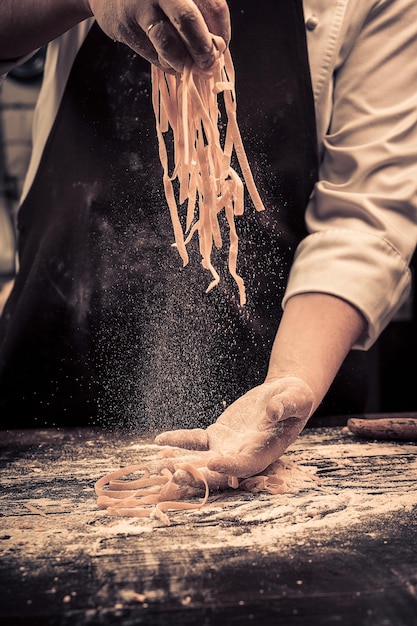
[(250, 434)]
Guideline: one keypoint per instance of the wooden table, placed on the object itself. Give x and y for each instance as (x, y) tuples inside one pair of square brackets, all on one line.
[(338, 551)]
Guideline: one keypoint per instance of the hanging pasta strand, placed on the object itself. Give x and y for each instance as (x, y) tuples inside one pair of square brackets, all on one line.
[(188, 104)]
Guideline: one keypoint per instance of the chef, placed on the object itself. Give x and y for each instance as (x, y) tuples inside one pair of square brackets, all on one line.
[(104, 325)]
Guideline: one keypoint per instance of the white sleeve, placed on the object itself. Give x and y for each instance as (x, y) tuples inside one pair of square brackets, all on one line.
[(363, 213), (59, 59)]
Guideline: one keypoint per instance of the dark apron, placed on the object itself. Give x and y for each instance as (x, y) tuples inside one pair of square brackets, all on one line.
[(104, 324)]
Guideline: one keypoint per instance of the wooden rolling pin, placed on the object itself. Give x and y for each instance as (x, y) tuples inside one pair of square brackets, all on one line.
[(399, 426)]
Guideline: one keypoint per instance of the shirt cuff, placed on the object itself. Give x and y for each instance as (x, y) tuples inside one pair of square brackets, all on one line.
[(363, 269)]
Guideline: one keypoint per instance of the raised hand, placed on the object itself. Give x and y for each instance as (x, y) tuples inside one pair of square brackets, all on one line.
[(166, 32)]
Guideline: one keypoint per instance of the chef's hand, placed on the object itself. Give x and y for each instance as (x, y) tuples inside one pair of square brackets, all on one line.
[(252, 433), (166, 32)]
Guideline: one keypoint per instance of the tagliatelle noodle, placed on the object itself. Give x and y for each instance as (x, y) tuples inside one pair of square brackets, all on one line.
[(149, 496), (152, 495), (188, 104)]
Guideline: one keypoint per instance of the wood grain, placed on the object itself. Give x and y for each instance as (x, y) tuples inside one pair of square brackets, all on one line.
[(341, 549)]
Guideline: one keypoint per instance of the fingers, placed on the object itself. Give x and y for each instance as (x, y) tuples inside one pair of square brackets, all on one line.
[(255, 454), (170, 50), (199, 460), (194, 24), (217, 17), (193, 439), (149, 33), (250, 461), (166, 32), (241, 465), (126, 21), (215, 480)]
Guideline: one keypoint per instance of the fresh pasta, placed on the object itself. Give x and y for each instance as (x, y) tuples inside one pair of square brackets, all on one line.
[(188, 104), (150, 495), (153, 495)]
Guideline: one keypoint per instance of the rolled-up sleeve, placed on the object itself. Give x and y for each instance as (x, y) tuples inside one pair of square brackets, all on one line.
[(362, 217)]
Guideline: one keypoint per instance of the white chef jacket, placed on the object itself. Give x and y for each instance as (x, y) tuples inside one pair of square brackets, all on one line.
[(362, 215)]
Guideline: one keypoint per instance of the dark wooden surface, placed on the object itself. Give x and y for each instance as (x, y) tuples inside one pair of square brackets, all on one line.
[(340, 551)]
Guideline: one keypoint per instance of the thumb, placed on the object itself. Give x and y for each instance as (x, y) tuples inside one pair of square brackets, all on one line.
[(191, 439), (296, 399)]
